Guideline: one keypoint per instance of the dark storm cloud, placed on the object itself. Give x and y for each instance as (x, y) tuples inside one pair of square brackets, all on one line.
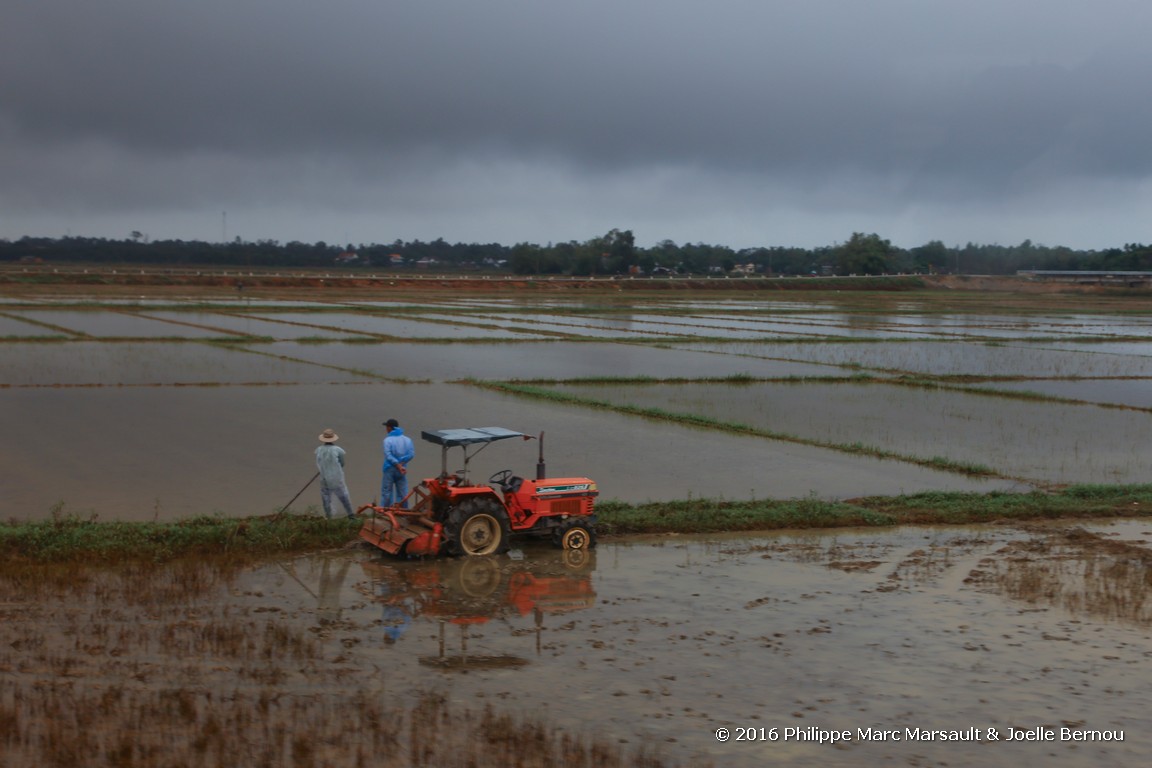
[(104, 104)]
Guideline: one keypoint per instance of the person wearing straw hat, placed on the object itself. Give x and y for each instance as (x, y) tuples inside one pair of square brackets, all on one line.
[(330, 462)]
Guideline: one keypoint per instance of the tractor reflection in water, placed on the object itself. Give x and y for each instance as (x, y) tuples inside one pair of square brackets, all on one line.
[(450, 515), (472, 591)]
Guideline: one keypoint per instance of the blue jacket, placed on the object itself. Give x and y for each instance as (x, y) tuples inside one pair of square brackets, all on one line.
[(398, 449)]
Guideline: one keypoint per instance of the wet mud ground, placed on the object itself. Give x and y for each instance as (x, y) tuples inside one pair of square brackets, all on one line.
[(655, 641)]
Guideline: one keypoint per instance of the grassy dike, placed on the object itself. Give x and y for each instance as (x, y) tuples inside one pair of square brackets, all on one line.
[(71, 539), (74, 540), (711, 516), (736, 428)]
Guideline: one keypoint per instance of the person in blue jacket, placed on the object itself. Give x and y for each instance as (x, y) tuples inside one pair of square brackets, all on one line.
[(330, 463), (398, 451)]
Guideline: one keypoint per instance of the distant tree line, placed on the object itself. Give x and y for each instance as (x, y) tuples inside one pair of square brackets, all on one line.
[(614, 253)]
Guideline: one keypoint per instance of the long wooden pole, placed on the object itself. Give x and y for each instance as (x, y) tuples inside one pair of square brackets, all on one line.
[(301, 491)]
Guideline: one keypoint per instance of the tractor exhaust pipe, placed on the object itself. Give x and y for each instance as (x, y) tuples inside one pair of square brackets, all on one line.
[(541, 470)]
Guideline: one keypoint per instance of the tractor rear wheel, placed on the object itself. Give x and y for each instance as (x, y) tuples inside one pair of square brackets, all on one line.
[(478, 576), (478, 527)]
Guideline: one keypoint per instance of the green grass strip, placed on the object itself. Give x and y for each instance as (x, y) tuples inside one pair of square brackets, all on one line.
[(72, 540), (659, 414), (75, 540), (712, 516)]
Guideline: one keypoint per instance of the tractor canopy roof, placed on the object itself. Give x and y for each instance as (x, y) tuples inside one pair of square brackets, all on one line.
[(470, 436)]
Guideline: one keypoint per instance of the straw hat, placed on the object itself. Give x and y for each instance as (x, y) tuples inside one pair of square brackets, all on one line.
[(328, 436)]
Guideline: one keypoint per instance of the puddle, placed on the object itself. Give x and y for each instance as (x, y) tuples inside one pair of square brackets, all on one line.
[(656, 641)]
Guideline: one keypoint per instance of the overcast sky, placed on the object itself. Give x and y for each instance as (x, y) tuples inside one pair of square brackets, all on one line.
[(732, 122)]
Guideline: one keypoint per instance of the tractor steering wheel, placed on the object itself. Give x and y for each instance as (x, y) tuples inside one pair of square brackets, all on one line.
[(501, 477)]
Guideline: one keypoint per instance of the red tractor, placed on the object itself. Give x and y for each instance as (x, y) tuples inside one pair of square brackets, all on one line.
[(449, 515)]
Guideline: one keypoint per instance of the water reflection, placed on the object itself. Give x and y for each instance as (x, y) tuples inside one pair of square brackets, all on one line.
[(1081, 571), (332, 574), (461, 595), (658, 640)]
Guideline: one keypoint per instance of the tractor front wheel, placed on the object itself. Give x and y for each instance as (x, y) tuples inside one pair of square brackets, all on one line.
[(478, 527), (575, 536)]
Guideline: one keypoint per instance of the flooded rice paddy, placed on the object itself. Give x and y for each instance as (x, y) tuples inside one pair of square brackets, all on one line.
[(166, 408), (1028, 438), (144, 409), (958, 358)]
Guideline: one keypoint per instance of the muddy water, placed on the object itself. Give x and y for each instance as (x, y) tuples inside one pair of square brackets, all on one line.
[(660, 641), (670, 639)]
